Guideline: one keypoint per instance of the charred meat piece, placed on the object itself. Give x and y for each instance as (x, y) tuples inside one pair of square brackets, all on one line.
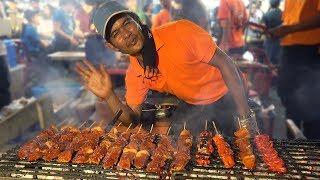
[(246, 153), (34, 149), (162, 153), (91, 141), (130, 151), (104, 145), (224, 151), (269, 154), (146, 149), (182, 152), (114, 152), (204, 148)]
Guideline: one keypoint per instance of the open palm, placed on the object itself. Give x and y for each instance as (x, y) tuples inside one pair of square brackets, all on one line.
[(97, 81)]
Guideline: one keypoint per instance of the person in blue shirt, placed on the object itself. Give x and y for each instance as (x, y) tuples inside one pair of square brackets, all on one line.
[(30, 36), (64, 26), (272, 19), (4, 77)]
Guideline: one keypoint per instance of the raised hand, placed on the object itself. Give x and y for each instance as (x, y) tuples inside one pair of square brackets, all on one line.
[(97, 81)]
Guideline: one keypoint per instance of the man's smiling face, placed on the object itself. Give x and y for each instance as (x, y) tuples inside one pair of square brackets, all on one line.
[(126, 35)]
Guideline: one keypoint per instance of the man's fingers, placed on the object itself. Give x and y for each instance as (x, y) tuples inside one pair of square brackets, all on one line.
[(89, 65), (103, 70), (155, 71), (82, 72), (146, 71)]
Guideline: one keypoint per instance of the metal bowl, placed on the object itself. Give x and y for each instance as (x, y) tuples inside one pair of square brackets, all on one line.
[(158, 111)]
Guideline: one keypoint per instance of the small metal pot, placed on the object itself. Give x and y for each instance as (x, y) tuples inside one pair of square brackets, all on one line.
[(158, 111)]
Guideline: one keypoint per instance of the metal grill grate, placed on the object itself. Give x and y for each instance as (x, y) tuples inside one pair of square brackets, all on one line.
[(302, 159)]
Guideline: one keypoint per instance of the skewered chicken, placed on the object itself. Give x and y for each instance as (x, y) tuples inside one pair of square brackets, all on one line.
[(91, 141), (146, 149), (269, 154), (113, 154), (130, 151), (33, 150), (224, 151), (72, 145), (162, 153), (58, 142), (204, 148), (246, 153), (99, 153), (182, 152)]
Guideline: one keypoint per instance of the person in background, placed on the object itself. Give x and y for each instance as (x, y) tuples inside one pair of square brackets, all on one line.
[(163, 16), (256, 14), (299, 71), (146, 14), (232, 16), (45, 27), (82, 17), (5, 96), (271, 20), (35, 50), (35, 5), (30, 36), (195, 11), (64, 26), (3, 13)]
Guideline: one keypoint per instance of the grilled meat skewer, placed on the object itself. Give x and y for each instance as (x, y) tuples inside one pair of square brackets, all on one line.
[(99, 153), (146, 149), (162, 153), (182, 152), (130, 151), (269, 154), (33, 149), (246, 153), (204, 148), (90, 143)]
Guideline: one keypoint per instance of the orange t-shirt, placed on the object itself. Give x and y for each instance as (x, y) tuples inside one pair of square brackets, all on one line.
[(238, 9), (184, 51), (297, 11), (161, 18)]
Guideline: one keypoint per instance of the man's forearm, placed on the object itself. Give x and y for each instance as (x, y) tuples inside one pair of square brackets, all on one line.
[(115, 104), (306, 25), (233, 80)]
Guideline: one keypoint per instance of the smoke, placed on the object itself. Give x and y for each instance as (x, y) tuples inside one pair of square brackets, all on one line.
[(59, 81), (306, 97)]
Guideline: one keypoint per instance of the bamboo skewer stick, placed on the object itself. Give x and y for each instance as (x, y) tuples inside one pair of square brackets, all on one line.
[(168, 130), (206, 126), (82, 124), (215, 127), (139, 128), (92, 124), (184, 125), (151, 128), (61, 123), (119, 124), (129, 127)]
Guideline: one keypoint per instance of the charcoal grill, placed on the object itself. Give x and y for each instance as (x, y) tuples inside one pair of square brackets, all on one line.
[(302, 159)]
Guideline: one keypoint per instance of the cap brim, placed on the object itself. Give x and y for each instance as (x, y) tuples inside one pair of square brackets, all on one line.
[(111, 16)]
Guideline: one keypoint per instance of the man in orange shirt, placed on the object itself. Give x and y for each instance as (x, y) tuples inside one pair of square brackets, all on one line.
[(163, 16), (299, 72), (178, 58), (232, 15)]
